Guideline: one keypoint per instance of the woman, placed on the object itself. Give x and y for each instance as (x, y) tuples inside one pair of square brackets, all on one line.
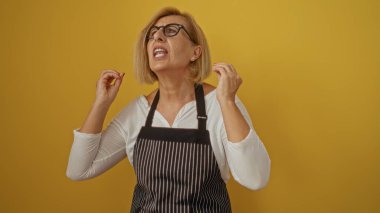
[(184, 137)]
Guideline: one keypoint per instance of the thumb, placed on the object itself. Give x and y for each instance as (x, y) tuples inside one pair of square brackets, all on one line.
[(217, 74), (119, 80)]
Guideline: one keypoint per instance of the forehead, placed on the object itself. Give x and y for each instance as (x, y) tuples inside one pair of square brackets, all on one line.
[(171, 19)]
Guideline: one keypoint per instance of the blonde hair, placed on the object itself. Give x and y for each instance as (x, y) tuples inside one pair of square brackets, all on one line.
[(199, 69)]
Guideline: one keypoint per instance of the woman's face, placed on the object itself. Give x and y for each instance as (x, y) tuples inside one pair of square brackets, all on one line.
[(171, 53)]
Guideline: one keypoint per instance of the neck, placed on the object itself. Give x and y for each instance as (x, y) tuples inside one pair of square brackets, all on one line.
[(175, 89)]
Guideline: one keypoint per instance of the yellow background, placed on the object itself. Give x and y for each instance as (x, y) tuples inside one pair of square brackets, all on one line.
[(311, 72)]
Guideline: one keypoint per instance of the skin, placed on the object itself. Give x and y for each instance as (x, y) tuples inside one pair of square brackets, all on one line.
[(175, 90), (173, 70)]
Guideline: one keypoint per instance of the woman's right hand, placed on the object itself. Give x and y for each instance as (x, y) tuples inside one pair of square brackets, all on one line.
[(105, 91)]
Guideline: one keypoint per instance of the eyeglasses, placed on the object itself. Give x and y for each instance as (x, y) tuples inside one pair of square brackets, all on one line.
[(170, 30)]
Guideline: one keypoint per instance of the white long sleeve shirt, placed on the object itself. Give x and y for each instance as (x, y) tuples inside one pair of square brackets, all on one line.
[(93, 154)]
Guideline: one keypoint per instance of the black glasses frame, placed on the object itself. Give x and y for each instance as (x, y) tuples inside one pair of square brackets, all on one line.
[(178, 26)]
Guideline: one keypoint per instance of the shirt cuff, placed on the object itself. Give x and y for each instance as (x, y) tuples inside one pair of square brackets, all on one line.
[(243, 143), (86, 135)]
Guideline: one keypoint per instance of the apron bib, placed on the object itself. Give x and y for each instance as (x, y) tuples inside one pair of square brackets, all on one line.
[(176, 168)]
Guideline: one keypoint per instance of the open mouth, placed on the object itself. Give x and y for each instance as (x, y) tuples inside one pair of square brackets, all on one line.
[(159, 52)]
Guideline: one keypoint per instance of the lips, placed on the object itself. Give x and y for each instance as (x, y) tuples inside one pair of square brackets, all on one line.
[(159, 51)]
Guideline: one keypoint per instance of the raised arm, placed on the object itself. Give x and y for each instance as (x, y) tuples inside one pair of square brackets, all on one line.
[(247, 157), (105, 94), (93, 150)]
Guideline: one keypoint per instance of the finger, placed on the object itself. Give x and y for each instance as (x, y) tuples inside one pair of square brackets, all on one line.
[(239, 80), (220, 70), (108, 81), (226, 69), (218, 74), (226, 66), (215, 70), (109, 71), (232, 68), (222, 64), (119, 81), (110, 76)]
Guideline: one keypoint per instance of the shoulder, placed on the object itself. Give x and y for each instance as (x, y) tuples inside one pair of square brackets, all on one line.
[(150, 96), (134, 110), (207, 88)]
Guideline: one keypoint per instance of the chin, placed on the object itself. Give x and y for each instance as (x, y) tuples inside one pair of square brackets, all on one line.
[(158, 66)]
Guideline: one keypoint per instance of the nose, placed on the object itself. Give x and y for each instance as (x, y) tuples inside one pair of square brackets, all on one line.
[(159, 35)]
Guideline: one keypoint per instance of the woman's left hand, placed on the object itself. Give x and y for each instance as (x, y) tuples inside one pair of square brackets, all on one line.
[(229, 82)]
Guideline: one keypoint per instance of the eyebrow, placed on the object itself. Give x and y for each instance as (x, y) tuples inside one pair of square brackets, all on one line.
[(166, 25)]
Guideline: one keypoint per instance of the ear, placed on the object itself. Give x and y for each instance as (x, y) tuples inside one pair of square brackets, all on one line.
[(197, 52)]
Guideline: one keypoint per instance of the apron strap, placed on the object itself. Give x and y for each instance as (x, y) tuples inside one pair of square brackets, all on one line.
[(201, 108), (149, 119)]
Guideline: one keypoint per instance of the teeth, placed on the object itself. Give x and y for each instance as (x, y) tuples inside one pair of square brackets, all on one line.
[(159, 52)]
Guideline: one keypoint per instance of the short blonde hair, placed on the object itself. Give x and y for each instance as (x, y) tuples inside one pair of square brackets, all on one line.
[(199, 69)]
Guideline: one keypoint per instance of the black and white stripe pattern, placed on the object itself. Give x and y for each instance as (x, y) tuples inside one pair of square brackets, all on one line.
[(176, 168), (177, 177)]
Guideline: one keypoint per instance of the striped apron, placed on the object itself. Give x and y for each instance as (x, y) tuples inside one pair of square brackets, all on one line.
[(176, 169)]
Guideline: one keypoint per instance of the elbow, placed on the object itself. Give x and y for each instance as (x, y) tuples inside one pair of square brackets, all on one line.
[(256, 180), (262, 180), (74, 176), (77, 172), (255, 184), (258, 184)]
